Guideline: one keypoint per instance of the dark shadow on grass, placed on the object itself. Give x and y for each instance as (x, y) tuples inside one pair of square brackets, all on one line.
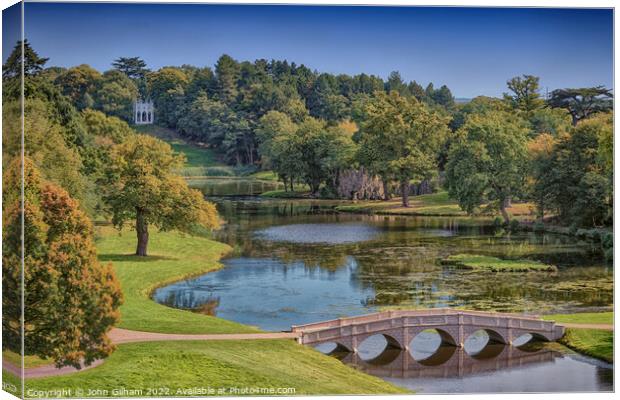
[(131, 258)]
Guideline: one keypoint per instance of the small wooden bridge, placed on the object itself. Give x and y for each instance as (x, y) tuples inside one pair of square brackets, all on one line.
[(399, 327)]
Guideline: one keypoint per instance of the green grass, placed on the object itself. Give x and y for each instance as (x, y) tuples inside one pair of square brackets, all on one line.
[(480, 262), (201, 161), (595, 343), (436, 204), (172, 257), (281, 194), (174, 366), (583, 318), (29, 361), (264, 175)]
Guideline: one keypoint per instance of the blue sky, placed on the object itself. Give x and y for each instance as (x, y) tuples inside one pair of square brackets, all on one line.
[(472, 50)]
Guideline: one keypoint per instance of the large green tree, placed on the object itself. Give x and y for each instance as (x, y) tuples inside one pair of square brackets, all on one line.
[(33, 64), (140, 186), (400, 139), (582, 102), (487, 161), (80, 84), (115, 95), (524, 94)]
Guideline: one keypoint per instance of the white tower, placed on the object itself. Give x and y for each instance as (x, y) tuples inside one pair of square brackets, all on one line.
[(144, 112)]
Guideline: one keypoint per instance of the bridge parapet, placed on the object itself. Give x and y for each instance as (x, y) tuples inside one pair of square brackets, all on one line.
[(400, 326)]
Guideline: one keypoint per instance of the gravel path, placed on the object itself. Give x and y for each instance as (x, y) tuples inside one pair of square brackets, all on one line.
[(606, 327)]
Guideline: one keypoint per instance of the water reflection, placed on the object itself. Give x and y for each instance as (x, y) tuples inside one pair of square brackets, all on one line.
[(501, 368)]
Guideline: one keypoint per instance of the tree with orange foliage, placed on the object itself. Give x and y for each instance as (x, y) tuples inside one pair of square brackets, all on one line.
[(71, 300)]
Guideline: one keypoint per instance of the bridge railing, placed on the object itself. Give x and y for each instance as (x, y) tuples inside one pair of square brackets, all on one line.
[(392, 314)]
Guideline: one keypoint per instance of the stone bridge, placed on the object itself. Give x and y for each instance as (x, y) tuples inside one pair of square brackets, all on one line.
[(399, 327)]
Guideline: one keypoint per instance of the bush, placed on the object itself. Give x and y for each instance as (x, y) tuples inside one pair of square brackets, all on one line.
[(513, 225), (539, 227), (498, 221), (607, 240)]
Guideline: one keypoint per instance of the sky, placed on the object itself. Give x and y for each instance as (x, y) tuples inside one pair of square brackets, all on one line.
[(473, 51)]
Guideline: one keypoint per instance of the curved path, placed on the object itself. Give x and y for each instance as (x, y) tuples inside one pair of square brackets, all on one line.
[(120, 336), (606, 327)]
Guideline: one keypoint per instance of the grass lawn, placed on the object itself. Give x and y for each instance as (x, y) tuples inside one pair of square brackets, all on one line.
[(29, 361), (583, 318), (175, 366), (173, 256), (596, 343), (282, 194), (494, 264), (264, 175), (435, 204)]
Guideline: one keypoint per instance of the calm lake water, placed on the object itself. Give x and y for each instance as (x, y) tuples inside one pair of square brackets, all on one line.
[(298, 261)]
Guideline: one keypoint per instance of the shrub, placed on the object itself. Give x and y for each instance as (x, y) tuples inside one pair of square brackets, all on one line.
[(538, 227)]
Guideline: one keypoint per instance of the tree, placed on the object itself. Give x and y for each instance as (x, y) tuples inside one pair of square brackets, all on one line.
[(80, 85), (67, 293), (488, 161), (400, 139), (133, 67), (44, 144), (167, 87), (576, 180), (116, 94), (278, 146), (540, 150), (396, 83), (227, 72), (33, 64), (444, 97), (140, 185), (525, 95), (322, 151), (582, 102)]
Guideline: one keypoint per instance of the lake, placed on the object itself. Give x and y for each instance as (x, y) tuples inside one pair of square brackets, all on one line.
[(298, 261)]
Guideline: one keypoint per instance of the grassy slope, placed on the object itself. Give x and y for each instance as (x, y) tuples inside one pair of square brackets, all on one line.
[(592, 342), (182, 365), (172, 257), (201, 161), (494, 264)]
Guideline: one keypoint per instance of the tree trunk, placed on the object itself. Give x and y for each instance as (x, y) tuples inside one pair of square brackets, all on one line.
[(502, 209), (404, 192), (386, 190), (507, 202), (142, 230)]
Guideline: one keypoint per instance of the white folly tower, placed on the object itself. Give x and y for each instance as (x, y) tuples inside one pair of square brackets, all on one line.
[(144, 112)]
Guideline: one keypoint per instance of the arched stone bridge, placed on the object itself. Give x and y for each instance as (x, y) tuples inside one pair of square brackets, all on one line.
[(399, 327)]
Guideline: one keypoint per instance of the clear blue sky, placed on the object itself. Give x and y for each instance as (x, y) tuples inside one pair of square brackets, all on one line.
[(472, 50)]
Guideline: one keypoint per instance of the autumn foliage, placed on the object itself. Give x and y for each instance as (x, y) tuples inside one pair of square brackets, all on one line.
[(71, 300)]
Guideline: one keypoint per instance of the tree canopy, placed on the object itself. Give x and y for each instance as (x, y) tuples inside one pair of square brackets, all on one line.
[(68, 293), (139, 185)]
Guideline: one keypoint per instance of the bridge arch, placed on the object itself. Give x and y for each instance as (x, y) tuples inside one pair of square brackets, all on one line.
[(332, 348)]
